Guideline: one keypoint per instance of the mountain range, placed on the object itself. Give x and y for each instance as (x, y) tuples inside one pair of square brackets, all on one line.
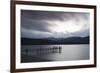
[(51, 41)]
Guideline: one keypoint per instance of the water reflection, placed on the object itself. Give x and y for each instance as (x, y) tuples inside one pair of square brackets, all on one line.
[(54, 49), (42, 53)]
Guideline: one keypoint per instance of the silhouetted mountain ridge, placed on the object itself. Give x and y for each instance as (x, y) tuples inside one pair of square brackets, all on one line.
[(44, 41)]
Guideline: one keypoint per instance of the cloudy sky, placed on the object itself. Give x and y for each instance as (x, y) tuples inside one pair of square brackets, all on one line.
[(44, 24)]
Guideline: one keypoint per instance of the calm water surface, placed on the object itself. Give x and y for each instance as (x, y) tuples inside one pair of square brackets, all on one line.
[(43, 53)]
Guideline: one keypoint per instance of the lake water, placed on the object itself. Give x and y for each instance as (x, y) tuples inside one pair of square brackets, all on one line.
[(44, 53)]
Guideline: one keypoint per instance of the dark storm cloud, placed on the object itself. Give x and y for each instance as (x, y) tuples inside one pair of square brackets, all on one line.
[(41, 15), (38, 24), (35, 34), (50, 15)]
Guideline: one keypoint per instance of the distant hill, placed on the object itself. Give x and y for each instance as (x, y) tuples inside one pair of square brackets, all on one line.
[(44, 41)]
